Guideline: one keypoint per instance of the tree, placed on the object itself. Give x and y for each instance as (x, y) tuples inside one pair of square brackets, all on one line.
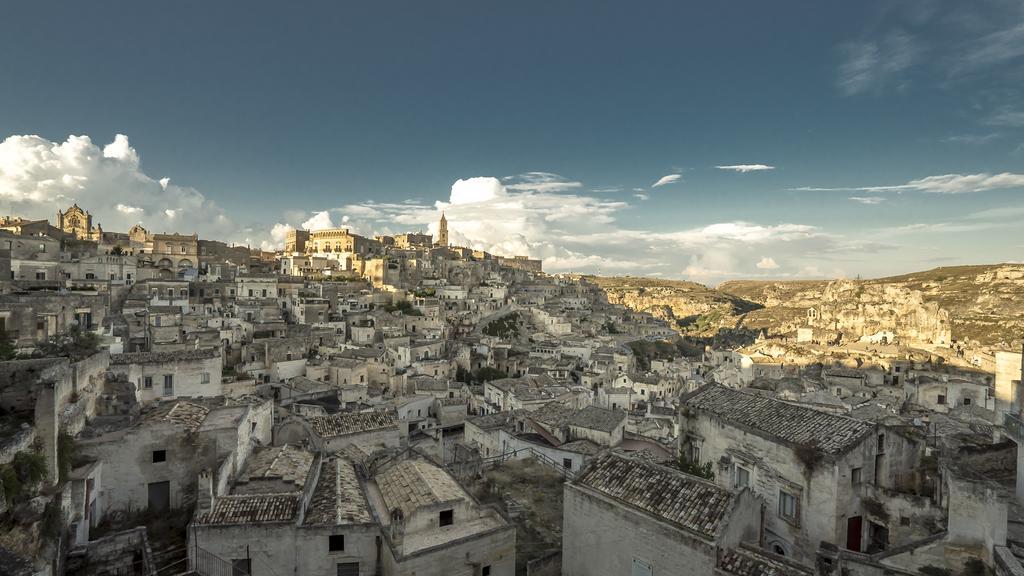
[(76, 344), (7, 350), (695, 468), (486, 374)]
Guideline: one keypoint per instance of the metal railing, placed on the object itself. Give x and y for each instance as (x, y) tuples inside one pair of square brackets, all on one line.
[(1014, 427), (206, 563)]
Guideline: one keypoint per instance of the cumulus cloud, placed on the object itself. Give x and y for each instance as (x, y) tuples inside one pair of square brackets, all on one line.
[(38, 176), (744, 168), (126, 209), (767, 263), (319, 221), (668, 179), (581, 233), (941, 184)]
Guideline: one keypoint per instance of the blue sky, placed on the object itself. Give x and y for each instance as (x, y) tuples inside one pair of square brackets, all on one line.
[(558, 117)]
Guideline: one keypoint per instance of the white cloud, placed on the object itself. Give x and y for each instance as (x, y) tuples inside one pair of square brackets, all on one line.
[(319, 221), (767, 263), (540, 182), (575, 232), (38, 176), (876, 64), (744, 168), (971, 139), (941, 184), (126, 209), (668, 179), (869, 200), (641, 196)]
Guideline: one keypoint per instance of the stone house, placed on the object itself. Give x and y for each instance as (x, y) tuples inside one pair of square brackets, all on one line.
[(192, 373), (943, 393), (430, 525), (289, 511), (368, 431), (629, 516), (806, 464)]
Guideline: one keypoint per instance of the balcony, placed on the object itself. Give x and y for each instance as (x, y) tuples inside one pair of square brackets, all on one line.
[(1014, 427)]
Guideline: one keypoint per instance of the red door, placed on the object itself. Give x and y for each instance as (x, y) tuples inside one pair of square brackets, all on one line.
[(853, 530)]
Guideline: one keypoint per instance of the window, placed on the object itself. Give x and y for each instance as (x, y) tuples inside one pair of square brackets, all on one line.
[(147, 382), (348, 569), (881, 444), (240, 567), (250, 292), (156, 321), (567, 463), (182, 248), (855, 476), (40, 275), (205, 378), (904, 521), (446, 517), (168, 384), (159, 456), (336, 543), (967, 401), (485, 571), (941, 399), (641, 568), (742, 479), (787, 506), (694, 453)]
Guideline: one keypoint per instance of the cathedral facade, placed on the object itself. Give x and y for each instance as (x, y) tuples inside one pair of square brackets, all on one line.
[(77, 223)]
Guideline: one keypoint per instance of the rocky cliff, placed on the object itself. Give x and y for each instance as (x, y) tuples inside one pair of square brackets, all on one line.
[(983, 305)]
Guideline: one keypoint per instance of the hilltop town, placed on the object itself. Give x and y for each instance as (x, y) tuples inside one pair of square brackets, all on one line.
[(398, 405)]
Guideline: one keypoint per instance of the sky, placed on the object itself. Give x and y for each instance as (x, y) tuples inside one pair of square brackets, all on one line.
[(704, 141)]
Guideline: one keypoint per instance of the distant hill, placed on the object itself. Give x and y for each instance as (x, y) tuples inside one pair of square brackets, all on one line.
[(983, 304)]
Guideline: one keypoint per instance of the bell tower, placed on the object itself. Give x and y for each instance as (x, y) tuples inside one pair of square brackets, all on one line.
[(442, 231)]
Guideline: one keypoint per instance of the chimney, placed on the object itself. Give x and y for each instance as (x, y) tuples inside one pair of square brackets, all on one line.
[(204, 496)]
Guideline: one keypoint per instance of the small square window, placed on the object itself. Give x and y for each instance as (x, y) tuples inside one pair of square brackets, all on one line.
[(336, 543), (446, 517), (941, 400), (159, 456), (904, 521), (742, 477), (967, 401), (787, 506)]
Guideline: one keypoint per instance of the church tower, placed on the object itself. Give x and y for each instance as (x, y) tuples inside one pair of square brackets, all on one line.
[(442, 232)]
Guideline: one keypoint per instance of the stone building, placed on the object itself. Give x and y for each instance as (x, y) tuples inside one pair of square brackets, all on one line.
[(442, 232), (288, 511), (170, 254), (296, 241), (77, 223), (335, 240), (369, 431), (629, 516), (807, 465), (430, 525), (156, 375)]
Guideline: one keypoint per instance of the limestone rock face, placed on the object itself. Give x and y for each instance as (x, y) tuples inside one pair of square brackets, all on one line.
[(663, 303), (980, 305), (859, 309)]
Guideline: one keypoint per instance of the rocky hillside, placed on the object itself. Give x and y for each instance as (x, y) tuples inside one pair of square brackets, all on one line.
[(673, 300), (983, 304)]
